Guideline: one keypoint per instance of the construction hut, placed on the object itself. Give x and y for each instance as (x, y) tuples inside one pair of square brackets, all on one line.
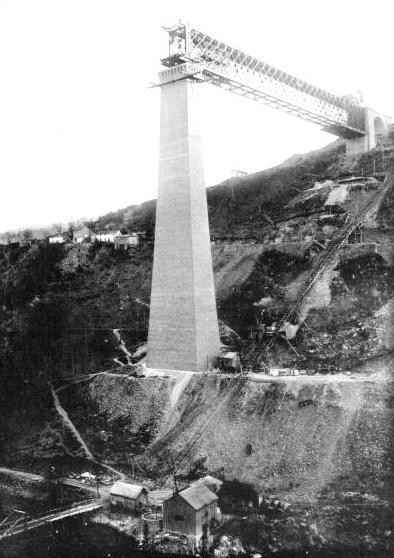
[(229, 362), (131, 496), (315, 249), (191, 511), (357, 236)]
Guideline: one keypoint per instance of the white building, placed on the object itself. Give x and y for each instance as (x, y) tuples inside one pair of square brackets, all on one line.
[(126, 240), (58, 238), (107, 236), (81, 235)]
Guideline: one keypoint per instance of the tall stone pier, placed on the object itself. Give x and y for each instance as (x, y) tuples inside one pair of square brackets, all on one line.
[(183, 326)]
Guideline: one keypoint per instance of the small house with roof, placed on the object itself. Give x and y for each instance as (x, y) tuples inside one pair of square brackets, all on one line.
[(58, 238), (191, 511), (229, 362), (131, 496), (81, 235)]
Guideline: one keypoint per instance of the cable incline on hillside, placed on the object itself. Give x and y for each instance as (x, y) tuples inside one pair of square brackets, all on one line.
[(327, 257)]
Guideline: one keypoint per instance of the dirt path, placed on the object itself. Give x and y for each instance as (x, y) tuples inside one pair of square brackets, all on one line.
[(318, 379), (179, 387), (40, 478), (68, 422), (123, 348)]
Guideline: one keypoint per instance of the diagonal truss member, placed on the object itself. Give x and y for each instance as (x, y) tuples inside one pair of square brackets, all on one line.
[(195, 55)]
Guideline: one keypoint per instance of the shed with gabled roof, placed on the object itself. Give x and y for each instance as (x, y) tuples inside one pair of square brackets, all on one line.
[(192, 511), (131, 496), (228, 362)]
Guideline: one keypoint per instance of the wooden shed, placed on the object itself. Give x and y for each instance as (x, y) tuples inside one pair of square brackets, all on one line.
[(229, 362), (190, 511), (131, 496)]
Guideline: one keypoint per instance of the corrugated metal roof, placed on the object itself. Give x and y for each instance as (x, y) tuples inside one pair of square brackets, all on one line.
[(198, 496), (126, 490)]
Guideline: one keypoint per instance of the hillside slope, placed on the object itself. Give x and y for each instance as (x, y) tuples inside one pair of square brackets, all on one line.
[(323, 448), (235, 205), (60, 305), (71, 317)]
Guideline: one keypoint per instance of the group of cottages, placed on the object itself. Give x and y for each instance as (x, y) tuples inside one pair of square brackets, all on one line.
[(114, 237), (192, 512)]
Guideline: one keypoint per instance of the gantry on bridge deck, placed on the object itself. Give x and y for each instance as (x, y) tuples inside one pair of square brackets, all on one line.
[(196, 55)]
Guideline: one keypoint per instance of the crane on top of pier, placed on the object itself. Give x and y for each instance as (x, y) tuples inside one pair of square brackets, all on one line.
[(193, 54)]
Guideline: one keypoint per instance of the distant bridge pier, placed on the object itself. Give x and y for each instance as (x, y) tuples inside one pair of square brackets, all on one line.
[(183, 325), (375, 125)]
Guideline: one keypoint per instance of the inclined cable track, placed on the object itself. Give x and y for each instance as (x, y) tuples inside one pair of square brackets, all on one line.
[(327, 257)]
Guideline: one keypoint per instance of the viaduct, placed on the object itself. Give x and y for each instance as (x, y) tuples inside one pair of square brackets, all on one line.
[(183, 327)]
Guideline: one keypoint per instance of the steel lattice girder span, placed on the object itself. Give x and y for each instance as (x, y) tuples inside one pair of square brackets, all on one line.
[(194, 54)]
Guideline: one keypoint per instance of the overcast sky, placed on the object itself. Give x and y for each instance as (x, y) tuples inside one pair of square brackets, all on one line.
[(79, 127)]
